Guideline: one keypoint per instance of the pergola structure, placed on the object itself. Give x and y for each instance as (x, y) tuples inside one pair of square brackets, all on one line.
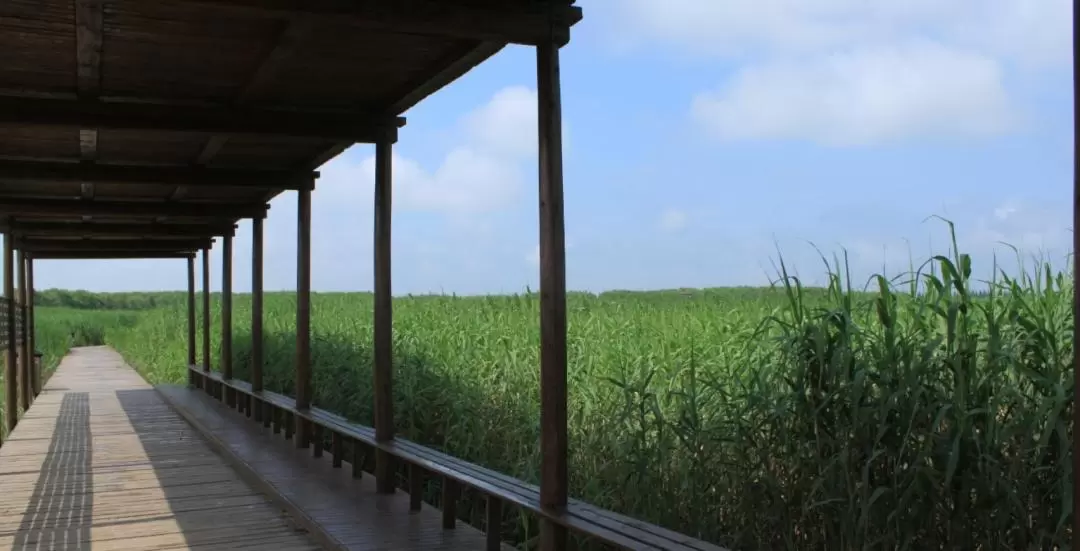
[(151, 128)]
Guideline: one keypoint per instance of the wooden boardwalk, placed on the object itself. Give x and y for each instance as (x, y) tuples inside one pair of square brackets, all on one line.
[(100, 461), (341, 511)]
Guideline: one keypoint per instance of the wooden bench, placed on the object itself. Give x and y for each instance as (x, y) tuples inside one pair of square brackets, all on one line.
[(596, 523)]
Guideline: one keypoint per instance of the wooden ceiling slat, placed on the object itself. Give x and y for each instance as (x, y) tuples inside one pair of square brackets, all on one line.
[(67, 207), (364, 128), (74, 245), (99, 229), (512, 21), (135, 175), (106, 255)]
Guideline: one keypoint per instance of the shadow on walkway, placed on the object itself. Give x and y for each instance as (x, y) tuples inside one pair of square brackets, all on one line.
[(60, 511)]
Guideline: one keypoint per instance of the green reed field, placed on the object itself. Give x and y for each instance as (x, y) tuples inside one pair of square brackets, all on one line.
[(902, 417)]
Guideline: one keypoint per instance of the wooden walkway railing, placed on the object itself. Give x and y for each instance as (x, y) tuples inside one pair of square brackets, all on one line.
[(331, 432), (22, 365)]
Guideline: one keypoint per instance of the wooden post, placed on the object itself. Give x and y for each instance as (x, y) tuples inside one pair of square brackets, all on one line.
[(226, 318), (24, 354), (191, 319), (257, 312), (1076, 264), (553, 440), (207, 385), (11, 394), (303, 315), (35, 366), (383, 329)]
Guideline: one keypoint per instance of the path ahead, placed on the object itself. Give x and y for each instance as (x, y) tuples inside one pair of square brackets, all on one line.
[(101, 461)]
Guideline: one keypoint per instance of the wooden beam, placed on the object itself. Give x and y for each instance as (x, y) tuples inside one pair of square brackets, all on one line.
[(100, 229), (106, 255), (11, 376), (89, 18), (88, 140), (295, 31), (1076, 263), (226, 318), (25, 358), (68, 207), (516, 23), (553, 416), (206, 316), (194, 176), (257, 314), (191, 318), (442, 73), (50, 245), (30, 327), (211, 149), (303, 316), (383, 331), (345, 126)]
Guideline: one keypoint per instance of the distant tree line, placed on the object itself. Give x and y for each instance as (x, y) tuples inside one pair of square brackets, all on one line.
[(86, 300)]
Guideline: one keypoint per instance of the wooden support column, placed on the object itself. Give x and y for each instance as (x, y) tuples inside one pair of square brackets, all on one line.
[(257, 313), (207, 385), (383, 328), (192, 379), (25, 390), (303, 316), (1076, 262), (35, 367), (226, 317), (553, 439), (11, 389)]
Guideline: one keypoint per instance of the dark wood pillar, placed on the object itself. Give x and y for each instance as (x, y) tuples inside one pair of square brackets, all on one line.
[(257, 312), (383, 328), (206, 319), (226, 317), (11, 388), (35, 367), (1076, 263), (25, 390), (553, 440), (192, 379), (303, 315)]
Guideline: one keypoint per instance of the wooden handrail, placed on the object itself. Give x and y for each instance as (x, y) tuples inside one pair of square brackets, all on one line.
[(20, 322), (598, 524)]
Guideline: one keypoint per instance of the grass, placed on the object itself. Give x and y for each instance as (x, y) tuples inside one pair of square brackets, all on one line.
[(917, 415)]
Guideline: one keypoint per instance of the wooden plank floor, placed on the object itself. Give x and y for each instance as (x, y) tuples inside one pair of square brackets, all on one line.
[(342, 512), (101, 461)]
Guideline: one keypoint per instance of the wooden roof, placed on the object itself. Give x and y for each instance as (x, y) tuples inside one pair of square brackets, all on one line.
[(151, 124)]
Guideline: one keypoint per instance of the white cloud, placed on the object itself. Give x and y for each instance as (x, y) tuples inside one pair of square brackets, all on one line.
[(673, 220), (862, 97), (857, 71), (468, 180), (1030, 30), (507, 123), (485, 173)]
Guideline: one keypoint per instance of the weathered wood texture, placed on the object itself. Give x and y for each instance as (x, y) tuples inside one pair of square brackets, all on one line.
[(340, 511), (20, 322), (184, 102), (601, 526), (100, 461)]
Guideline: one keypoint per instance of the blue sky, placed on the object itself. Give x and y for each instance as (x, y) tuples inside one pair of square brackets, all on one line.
[(701, 134)]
